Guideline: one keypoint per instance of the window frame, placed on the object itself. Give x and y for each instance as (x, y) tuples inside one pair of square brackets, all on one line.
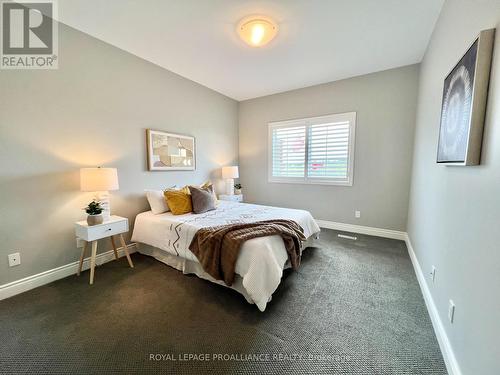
[(307, 122)]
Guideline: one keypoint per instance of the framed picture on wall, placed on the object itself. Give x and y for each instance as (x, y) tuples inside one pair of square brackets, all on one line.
[(464, 104), (170, 151)]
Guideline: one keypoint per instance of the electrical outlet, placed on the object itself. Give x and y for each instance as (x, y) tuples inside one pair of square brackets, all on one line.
[(79, 242), (433, 273), (357, 214), (451, 311), (14, 259)]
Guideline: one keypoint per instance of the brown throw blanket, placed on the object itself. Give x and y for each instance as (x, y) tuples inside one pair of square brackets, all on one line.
[(217, 248)]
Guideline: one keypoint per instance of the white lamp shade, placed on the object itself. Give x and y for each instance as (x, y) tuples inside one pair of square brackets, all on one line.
[(230, 172), (98, 179)]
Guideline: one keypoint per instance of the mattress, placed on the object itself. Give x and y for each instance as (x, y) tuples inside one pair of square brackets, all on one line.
[(261, 260)]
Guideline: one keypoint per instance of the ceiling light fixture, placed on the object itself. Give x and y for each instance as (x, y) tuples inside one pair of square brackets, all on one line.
[(257, 31)]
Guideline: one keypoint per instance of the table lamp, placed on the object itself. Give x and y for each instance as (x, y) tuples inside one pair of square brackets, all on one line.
[(229, 174), (101, 181)]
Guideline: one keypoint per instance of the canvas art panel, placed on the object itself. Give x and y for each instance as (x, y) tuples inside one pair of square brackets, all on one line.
[(457, 105), (464, 104), (170, 151)]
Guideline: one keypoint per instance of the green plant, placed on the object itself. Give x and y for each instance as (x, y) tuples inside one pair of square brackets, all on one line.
[(237, 186), (94, 208)]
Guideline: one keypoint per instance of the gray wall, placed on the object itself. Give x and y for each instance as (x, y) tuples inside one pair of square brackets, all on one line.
[(385, 103), (93, 111), (453, 218)]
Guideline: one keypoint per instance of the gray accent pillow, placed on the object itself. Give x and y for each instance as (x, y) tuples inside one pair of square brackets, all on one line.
[(202, 199)]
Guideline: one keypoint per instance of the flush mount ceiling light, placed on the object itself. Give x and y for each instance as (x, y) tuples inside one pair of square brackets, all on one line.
[(257, 31)]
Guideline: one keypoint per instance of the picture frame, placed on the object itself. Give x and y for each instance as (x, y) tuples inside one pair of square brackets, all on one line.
[(170, 151), (463, 105)]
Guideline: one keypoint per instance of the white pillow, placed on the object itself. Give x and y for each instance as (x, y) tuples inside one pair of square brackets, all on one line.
[(156, 201)]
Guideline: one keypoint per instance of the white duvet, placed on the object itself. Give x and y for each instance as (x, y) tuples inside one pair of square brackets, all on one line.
[(261, 260)]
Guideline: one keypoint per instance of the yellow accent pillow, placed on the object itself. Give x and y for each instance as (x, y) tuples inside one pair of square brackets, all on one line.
[(179, 201)]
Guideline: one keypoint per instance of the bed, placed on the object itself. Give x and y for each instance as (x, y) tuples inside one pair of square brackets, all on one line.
[(260, 263)]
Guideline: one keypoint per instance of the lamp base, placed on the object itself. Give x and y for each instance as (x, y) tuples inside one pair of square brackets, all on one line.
[(229, 186), (103, 197)]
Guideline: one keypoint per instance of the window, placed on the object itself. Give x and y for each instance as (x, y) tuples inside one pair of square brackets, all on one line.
[(318, 150)]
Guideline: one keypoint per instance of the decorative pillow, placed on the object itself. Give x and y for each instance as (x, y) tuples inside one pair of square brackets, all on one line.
[(185, 189), (202, 200), (209, 185), (156, 201), (179, 201)]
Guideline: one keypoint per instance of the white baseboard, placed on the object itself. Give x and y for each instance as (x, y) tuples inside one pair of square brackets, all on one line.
[(444, 343), (34, 281), (371, 231)]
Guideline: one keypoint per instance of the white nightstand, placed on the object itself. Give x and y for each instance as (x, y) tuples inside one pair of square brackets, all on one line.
[(232, 198), (116, 225)]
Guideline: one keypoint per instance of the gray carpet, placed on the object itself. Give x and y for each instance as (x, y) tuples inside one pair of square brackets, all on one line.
[(354, 307)]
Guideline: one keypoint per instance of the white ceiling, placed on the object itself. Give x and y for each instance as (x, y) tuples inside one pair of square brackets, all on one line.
[(319, 40)]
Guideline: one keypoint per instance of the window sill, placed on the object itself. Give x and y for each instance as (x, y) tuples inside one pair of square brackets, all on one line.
[(309, 182)]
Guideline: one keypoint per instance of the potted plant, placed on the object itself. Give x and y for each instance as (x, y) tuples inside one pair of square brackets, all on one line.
[(237, 189), (94, 211)]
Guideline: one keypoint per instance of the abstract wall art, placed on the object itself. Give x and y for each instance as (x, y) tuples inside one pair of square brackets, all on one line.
[(170, 152), (464, 104)]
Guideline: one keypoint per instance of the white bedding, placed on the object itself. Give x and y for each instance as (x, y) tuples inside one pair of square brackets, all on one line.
[(261, 260)]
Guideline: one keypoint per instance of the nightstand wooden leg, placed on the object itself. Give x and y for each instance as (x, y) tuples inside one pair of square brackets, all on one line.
[(82, 257), (114, 247), (124, 245), (92, 261)]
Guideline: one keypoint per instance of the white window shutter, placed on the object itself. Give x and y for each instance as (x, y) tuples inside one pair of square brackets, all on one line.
[(288, 151), (328, 151), (317, 150)]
